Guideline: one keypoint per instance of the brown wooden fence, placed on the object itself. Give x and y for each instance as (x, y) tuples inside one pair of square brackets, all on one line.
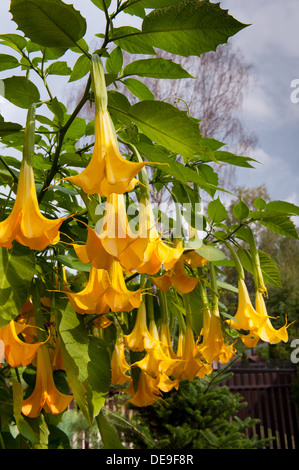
[(267, 392)]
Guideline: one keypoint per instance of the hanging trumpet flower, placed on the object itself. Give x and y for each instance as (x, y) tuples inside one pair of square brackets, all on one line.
[(105, 291), (108, 171), (45, 395), (213, 346), (26, 224)]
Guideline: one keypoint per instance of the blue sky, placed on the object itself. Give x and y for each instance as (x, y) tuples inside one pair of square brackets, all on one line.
[(271, 45)]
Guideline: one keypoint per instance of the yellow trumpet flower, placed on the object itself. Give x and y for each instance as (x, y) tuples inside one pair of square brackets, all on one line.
[(266, 331), (155, 362), (108, 171), (177, 277), (192, 365), (213, 347), (117, 237), (246, 318), (16, 351), (193, 259), (26, 224), (45, 394), (105, 291), (158, 252), (140, 338), (91, 298), (119, 365), (93, 251), (147, 391), (117, 295)]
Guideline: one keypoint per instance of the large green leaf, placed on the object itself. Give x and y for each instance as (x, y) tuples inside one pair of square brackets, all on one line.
[(168, 126), (50, 23), (284, 207), (282, 225), (108, 433), (17, 268), (188, 28), (86, 361), (156, 68), (20, 91)]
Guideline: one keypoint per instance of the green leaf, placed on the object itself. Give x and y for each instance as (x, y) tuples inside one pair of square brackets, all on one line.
[(132, 41), (176, 169), (139, 89), (281, 225), (189, 28), (269, 268), (17, 268), (154, 3), (58, 109), (50, 23), (58, 68), (108, 433), (167, 126), (86, 362), (240, 210), (217, 211), (282, 206), (35, 430), (211, 253), (80, 69), (259, 203), (15, 41), (7, 128), (232, 159), (8, 62), (17, 399), (156, 68), (114, 62), (20, 91), (101, 4)]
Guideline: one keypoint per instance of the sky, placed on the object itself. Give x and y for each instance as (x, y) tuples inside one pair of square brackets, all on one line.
[(271, 46)]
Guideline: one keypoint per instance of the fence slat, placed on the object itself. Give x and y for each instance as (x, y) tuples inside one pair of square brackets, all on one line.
[(267, 394)]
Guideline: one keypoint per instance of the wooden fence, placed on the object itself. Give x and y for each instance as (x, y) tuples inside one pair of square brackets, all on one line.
[(267, 392)]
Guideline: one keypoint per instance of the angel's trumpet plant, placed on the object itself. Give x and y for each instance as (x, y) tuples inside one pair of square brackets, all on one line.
[(119, 365), (140, 338), (108, 171), (105, 291), (266, 332), (45, 394), (26, 224), (213, 346), (16, 351), (246, 318)]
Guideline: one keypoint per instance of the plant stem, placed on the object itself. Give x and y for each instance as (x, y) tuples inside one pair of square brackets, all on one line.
[(55, 167)]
